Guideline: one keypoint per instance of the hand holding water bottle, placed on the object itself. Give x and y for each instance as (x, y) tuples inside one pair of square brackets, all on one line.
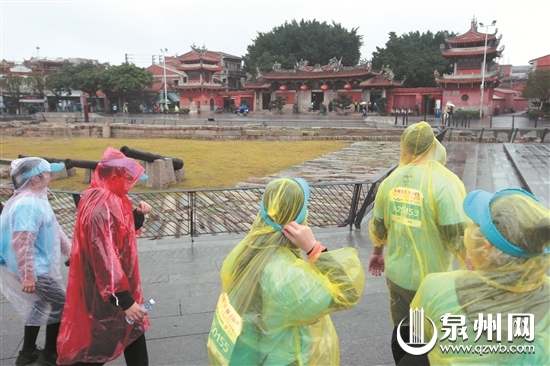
[(136, 312)]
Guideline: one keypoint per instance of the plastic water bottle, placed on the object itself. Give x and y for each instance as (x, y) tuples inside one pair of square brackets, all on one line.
[(148, 305)]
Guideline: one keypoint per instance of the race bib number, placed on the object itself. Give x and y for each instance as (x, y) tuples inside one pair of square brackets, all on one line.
[(226, 327), (406, 206)]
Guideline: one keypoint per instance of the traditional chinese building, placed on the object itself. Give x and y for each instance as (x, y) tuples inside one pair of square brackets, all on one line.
[(466, 53), (209, 79), (305, 84)]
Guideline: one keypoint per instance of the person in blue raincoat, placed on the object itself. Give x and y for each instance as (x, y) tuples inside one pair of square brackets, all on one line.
[(32, 242)]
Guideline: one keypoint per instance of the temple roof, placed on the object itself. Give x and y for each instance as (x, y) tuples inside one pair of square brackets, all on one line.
[(380, 80), (258, 84), (474, 80), (421, 90), (470, 51), (208, 86), (471, 36), (317, 74), (192, 67)]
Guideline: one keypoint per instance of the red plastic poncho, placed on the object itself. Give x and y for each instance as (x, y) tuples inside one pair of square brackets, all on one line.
[(104, 261)]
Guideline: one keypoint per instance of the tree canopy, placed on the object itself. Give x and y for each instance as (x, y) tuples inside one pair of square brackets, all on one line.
[(538, 86), (90, 78), (305, 40), (414, 56)]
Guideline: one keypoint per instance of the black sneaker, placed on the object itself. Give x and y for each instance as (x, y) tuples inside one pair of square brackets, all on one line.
[(47, 359), (26, 358)]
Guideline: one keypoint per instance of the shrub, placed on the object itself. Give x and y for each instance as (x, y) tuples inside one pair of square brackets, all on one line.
[(467, 112)]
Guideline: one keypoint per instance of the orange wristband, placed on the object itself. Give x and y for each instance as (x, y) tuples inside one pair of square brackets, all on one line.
[(317, 248)]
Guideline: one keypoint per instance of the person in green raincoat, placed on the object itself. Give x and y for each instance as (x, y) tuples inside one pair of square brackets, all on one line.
[(418, 215), (500, 305), (274, 305)]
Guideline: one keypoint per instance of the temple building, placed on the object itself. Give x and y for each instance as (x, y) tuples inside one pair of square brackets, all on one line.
[(466, 52), (306, 84), (205, 79)]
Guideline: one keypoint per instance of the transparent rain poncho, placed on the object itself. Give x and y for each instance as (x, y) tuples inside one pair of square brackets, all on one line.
[(274, 305), (32, 242), (104, 262), (497, 285), (418, 211)]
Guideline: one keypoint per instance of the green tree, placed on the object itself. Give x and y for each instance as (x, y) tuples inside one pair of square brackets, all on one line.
[(413, 56), (60, 82), (36, 83), (305, 40), (277, 104), (121, 80), (538, 86), (87, 77), (341, 103), (12, 86)]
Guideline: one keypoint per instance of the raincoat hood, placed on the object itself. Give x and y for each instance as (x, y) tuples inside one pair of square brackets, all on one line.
[(418, 143), (116, 172), (22, 170)]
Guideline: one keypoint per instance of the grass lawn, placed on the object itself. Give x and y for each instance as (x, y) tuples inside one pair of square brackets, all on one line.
[(208, 164)]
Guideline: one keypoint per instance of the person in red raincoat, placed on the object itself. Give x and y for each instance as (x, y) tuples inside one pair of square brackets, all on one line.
[(104, 284)]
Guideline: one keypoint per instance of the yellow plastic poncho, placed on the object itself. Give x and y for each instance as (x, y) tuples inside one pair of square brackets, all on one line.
[(497, 284), (274, 305), (418, 211)]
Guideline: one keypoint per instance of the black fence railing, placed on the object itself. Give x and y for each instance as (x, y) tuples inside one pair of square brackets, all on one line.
[(216, 211), (22, 117), (499, 134)]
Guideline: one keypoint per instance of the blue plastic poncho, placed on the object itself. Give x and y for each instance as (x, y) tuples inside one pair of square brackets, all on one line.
[(31, 244)]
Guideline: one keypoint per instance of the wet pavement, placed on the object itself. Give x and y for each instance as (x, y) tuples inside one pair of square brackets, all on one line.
[(182, 275)]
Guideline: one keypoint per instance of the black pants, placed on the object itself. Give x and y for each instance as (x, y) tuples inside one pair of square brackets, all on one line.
[(135, 354), (52, 297)]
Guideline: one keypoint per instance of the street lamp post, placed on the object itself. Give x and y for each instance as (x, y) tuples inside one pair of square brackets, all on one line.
[(165, 91), (38, 53), (484, 66)]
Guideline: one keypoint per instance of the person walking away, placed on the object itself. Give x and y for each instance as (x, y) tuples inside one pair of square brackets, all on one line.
[(30, 250), (115, 109), (417, 215), (277, 300), (104, 283), (507, 248)]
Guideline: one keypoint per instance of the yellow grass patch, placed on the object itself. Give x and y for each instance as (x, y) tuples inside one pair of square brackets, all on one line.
[(208, 164)]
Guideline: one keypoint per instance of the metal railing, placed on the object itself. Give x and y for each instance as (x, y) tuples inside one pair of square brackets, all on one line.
[(500, 134), (22, 117), (216, 211)]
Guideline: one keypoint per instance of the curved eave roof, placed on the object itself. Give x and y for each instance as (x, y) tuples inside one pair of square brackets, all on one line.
[(380, 80), (470, 52), (199, 67), (471, 36), (422, 90), (308, 75), (200, 86), (490, 79)]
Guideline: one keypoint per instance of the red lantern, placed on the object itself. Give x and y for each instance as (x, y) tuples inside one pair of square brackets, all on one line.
[(324, 87), (283, 88), (304, 87), (348, 86)]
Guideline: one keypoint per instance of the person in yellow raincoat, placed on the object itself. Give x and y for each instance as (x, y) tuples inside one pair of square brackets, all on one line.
[(501, 305), (418, 215), (274, 305)]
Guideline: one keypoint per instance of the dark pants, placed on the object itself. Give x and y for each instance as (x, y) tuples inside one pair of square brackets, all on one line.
[(135, 354), (52, 297)]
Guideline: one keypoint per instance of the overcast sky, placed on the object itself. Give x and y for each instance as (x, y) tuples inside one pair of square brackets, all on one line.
[(107, 30)]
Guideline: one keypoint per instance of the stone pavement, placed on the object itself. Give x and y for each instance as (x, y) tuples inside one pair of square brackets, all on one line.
[(183, 277)]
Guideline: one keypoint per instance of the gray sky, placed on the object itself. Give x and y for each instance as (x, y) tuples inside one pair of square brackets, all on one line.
[(107, 30)]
